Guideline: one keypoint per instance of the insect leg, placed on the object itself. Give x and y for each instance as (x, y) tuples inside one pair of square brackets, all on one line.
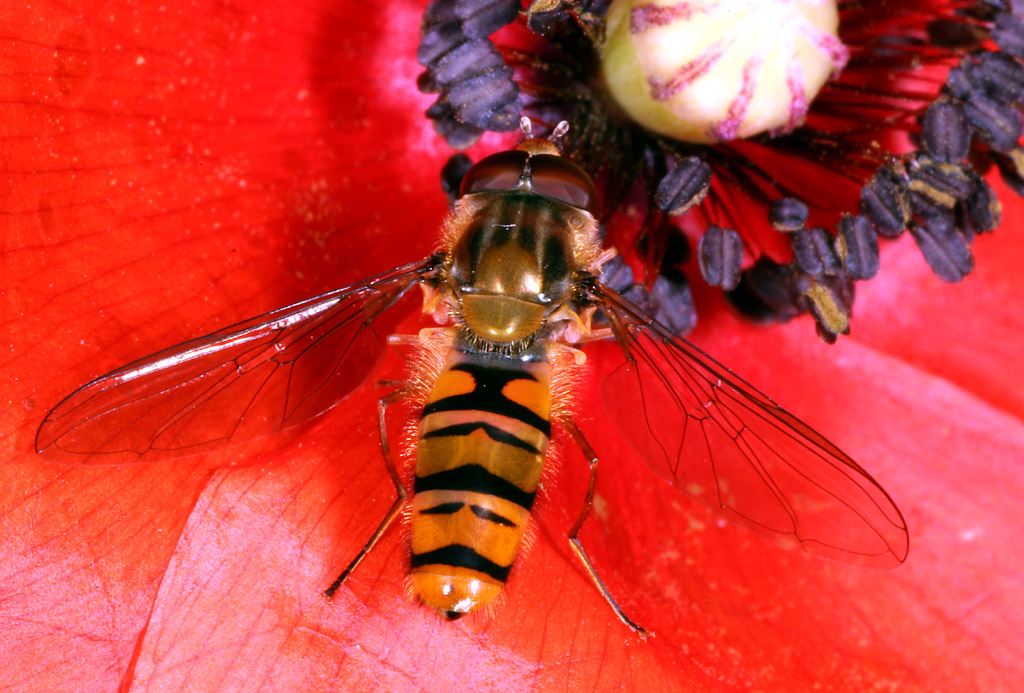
[(396, 507), (574, 541)]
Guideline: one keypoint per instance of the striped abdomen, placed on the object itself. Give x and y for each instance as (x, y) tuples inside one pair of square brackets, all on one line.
[(482, 439)]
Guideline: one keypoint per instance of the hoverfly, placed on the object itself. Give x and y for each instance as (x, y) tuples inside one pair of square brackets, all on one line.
[(515, 292)]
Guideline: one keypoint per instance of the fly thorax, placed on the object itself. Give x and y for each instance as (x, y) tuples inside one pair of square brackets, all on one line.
[(511, 268)]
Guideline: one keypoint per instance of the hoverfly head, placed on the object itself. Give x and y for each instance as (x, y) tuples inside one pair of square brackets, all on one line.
[(534, 166)]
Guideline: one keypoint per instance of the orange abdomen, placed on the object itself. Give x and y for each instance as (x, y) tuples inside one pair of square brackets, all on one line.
[(483, 436)]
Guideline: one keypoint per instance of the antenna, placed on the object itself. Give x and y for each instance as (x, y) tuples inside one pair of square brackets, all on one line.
[(558, 133), (526, 125)]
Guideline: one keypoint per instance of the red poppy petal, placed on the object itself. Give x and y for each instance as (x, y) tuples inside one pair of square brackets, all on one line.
[(173, 169), (970, 333)]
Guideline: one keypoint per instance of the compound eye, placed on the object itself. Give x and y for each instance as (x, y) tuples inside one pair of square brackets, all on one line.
[(557, 177), (500, 171)]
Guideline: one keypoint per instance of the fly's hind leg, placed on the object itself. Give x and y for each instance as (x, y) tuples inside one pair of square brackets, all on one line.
[(574, 541), (382, 404)]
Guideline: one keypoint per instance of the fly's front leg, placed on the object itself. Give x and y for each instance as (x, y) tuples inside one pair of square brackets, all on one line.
[(382, 404), (574, 541)]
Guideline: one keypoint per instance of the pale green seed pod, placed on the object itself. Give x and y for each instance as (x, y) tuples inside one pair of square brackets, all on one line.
[(717, 70)]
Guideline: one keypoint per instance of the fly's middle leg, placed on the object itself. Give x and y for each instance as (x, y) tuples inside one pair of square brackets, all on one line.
[(382, 404), (574, 541)]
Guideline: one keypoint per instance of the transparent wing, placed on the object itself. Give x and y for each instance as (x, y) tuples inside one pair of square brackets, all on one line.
[(242, 382), (718, 439)]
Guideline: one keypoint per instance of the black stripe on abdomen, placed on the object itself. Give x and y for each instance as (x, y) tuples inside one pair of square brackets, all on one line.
[(473, 477), (491, 516), (493, 432), (487, 396), (459, 556), (478, 510), (443, 509)]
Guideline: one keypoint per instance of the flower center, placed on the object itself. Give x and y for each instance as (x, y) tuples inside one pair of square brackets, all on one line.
[(717, 70)]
